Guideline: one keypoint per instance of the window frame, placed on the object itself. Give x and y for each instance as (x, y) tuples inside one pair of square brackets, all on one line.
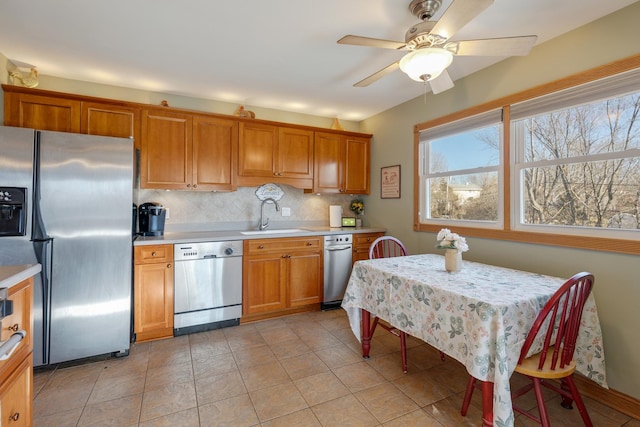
[(612, 243)]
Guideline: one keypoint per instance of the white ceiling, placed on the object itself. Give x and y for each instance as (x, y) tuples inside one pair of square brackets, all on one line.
[(279, 54)]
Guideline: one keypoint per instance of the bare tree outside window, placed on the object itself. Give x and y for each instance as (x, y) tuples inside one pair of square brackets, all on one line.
[(581, 165)]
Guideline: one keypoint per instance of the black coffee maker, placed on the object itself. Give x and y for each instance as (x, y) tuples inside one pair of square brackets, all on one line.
[(151, 219)]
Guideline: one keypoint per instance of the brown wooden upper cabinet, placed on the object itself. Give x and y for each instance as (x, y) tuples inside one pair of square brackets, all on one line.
[(341, 164), (187, 152), (71, 113), (111, 120), (280, 154), (41, 112), (215, 152)]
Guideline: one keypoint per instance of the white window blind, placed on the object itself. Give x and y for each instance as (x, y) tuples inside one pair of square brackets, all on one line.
[(462, 125), (617, 85)]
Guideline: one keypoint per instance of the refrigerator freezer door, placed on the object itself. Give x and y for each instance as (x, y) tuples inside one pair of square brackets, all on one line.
[(86, 191), (16, 164)]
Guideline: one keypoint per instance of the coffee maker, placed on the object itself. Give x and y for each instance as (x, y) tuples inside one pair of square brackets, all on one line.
[(151, 219)]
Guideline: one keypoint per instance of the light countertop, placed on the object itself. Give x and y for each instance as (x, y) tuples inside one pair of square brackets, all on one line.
[(13, 274), (213, 236)]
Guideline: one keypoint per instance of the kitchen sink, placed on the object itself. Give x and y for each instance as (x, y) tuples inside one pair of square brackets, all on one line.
[(274, 231)]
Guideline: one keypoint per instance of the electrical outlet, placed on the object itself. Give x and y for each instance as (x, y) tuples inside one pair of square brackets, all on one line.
[(286, 211), (168, 214)]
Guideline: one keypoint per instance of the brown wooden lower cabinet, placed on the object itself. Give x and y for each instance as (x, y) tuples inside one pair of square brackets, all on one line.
[(16, 372), (361, 244), (16, 396), (281, 276), (153, 292)]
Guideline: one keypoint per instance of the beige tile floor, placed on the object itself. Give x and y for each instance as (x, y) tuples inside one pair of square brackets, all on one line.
[(302, 370)]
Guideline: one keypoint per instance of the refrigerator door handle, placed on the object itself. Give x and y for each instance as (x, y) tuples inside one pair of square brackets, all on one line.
[(42, 297), (39, 231)]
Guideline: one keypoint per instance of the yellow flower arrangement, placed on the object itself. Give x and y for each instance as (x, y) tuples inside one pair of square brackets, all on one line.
[(357, 206)]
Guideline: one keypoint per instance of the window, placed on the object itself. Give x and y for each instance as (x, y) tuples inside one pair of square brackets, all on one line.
[(461, 174), (577, 168), (562, 169)]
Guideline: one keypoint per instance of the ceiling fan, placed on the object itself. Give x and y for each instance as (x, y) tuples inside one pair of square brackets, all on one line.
[(431, 52)]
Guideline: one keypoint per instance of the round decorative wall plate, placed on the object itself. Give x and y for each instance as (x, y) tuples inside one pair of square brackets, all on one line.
[(267, 191)]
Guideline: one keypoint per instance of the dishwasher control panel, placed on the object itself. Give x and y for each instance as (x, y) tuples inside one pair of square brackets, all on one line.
[(204, 250)]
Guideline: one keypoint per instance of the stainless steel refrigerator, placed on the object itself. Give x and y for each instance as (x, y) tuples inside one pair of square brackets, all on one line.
[(77, 224)]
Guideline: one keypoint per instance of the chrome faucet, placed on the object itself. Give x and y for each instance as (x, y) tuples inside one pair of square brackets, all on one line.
[(263, 224)]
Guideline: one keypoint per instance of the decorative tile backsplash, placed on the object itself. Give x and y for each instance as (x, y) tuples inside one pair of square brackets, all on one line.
[(241, 209)]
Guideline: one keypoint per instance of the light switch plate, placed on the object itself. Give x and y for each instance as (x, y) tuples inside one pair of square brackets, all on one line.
[(286, 211)]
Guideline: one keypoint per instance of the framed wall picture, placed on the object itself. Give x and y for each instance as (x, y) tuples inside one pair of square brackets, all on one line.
[(390, 182)]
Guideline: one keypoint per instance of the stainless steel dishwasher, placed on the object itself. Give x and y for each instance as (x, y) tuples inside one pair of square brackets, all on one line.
[(208, 286), (337, 268)]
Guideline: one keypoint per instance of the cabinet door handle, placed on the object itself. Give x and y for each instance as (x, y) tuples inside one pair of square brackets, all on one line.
[(188, 185), (168, 265), (153, 253), (284, 255), (261, 247), (14, 417), (195, 185), (14, 328)]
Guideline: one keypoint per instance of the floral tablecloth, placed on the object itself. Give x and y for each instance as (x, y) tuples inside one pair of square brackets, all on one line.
[(480, 315)]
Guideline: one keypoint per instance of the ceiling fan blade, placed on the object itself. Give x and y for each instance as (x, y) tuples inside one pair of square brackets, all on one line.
[(371, 42), (458, 15), (378, 75), (506, 46), (441, 83)]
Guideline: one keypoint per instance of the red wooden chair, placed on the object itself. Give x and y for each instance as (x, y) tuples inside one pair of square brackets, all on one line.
[(389, 247), (555, 360), (386, 247)]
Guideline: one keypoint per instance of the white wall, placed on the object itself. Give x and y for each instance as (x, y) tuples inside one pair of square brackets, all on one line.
[(617, 289), (177, 101)]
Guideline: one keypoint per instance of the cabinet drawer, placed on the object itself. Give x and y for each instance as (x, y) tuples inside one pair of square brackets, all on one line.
[(255, 247), (365, 240), (16, 396), (153, 253), (21, 295)]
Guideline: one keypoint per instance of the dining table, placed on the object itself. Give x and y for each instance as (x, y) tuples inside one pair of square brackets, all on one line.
[(479, 315)]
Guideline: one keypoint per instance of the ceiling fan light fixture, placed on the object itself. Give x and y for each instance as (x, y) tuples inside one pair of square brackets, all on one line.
[(426, 64)]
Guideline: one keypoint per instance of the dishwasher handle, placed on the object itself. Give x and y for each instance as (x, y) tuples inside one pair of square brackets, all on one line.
[(7, 347), (337, 248)]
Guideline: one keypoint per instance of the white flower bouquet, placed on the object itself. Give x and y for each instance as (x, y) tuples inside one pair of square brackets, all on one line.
[(448, 240)]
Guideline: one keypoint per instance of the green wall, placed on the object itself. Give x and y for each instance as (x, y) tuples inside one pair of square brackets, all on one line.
[(617, 290)]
